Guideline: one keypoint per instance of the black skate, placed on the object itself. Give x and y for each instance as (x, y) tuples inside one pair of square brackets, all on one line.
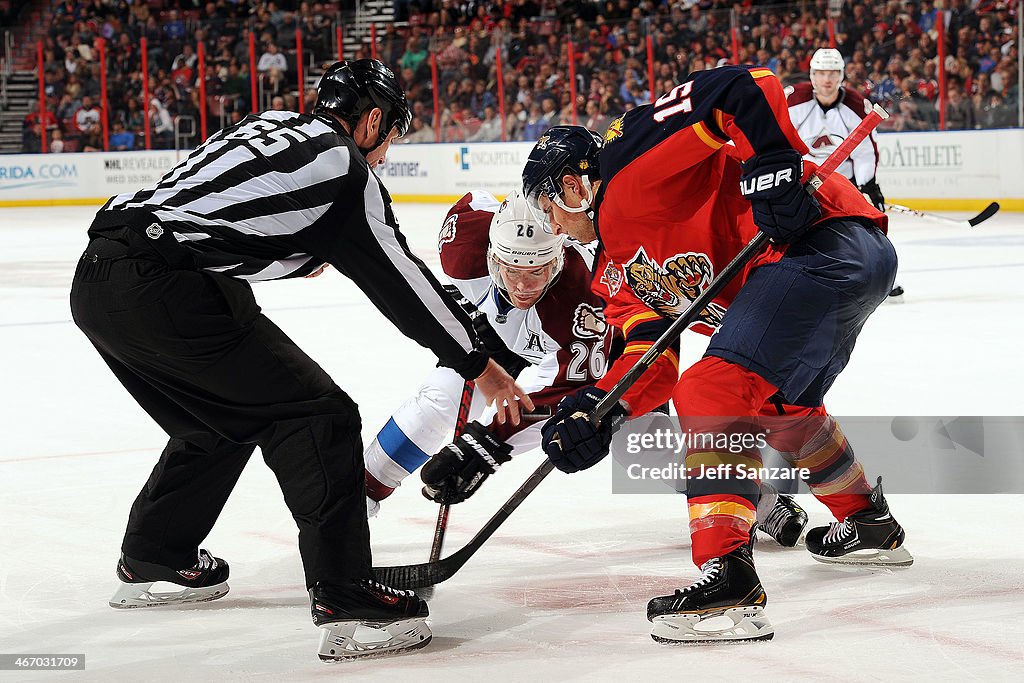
[(205, 580), (779, 516), (367, 619), (870, 537), (896, 295), (728, 590)]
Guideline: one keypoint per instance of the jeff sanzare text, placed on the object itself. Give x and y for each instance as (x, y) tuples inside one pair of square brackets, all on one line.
[(677, 471)]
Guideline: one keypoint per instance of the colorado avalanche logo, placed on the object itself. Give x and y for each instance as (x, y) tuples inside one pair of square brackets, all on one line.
[(588, 322), (669, 288), (447, 231), (612, 279)]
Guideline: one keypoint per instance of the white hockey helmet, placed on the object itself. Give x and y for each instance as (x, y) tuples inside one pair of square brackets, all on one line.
[(520, 242), (828, 59)]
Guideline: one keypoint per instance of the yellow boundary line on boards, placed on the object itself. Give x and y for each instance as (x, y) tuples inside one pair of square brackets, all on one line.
[(920, 204)]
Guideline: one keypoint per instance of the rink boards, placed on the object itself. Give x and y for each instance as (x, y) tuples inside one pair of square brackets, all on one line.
[(954, 171)]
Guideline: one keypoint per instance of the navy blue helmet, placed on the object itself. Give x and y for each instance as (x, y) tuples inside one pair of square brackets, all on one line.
[(561, 150)]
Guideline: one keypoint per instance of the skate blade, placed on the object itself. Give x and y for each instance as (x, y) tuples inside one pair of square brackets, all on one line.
[(347, 640), (895, 557), (748, 624), (132, 595)]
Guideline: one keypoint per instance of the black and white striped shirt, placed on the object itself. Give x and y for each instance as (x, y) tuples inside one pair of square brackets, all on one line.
[(280, 194)]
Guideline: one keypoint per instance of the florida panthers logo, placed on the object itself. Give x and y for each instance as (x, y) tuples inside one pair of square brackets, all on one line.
[(612, 279), (588, 322), (447, 231), (614, 131), (668, 289)]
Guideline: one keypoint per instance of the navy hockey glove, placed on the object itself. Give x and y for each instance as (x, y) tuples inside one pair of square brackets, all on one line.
[(571, 440), (874, 194), (783, 209), (489, 340), (457, 470)]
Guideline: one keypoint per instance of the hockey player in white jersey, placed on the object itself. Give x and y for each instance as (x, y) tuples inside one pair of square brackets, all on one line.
[(824, 113), (530, 296), (534, 290)]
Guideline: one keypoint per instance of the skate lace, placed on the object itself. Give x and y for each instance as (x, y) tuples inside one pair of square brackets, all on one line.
[(207, 562), (776, 519), (838, 531), (709, 571), (389, 590)]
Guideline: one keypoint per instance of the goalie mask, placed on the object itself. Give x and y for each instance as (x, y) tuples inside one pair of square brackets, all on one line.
[(524, 258)]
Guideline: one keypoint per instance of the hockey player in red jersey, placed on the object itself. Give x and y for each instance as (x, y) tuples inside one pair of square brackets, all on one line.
[(529, 294), (824, 113), (672, 204)]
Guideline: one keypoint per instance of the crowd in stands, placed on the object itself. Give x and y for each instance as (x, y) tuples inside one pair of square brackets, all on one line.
[(890, 47)]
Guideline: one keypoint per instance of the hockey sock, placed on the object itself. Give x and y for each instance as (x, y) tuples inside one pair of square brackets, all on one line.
[(716, 400), (835, 478)]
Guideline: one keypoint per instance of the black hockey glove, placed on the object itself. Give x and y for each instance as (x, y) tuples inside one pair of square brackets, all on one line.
[(457, 470), (571, 440), (783, 209), (874, 194), (490, 342)]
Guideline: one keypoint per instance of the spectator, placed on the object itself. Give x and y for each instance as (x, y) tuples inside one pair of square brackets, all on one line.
[(273, 65), (57, 142), (121, 140), (959, 113), (31, 142), (490, 128), (420, 132), (87, 124), (161, 125)]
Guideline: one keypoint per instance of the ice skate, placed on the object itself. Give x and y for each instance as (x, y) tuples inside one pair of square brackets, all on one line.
[(725, 604), (779, 516), (367, 619), (870, 538), (895, 295), (144, 584)]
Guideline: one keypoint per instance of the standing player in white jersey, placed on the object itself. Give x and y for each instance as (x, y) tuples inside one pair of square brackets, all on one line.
[(534, 290), (824, 113)]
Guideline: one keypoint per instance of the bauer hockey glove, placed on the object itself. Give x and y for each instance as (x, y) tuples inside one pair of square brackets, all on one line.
[(489, 340), (570, 439), (873, 192), (783, 209), (457, 470)]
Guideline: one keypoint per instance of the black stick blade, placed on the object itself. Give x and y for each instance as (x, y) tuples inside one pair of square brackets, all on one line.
[(989, 211)]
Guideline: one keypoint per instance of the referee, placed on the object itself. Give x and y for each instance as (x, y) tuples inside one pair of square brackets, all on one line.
[(163, 293)]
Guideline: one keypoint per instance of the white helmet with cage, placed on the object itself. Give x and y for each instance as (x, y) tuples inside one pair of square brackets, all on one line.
[(520, 243), (828, 59)]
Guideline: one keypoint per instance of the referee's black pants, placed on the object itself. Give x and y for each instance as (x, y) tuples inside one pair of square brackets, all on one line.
[(221, 379)]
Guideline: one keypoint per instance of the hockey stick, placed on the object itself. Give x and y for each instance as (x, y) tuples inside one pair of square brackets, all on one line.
[(442, 515), (430, 573), (441, 526), (668, 337), (984, 215)]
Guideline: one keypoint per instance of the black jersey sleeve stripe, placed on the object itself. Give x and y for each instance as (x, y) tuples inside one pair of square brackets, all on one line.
[(373, 253)]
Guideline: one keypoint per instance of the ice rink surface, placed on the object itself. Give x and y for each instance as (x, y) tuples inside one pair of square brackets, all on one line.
[(559, 593)]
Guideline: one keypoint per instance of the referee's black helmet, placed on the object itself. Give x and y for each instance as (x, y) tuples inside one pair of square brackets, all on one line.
[(349, 88)]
